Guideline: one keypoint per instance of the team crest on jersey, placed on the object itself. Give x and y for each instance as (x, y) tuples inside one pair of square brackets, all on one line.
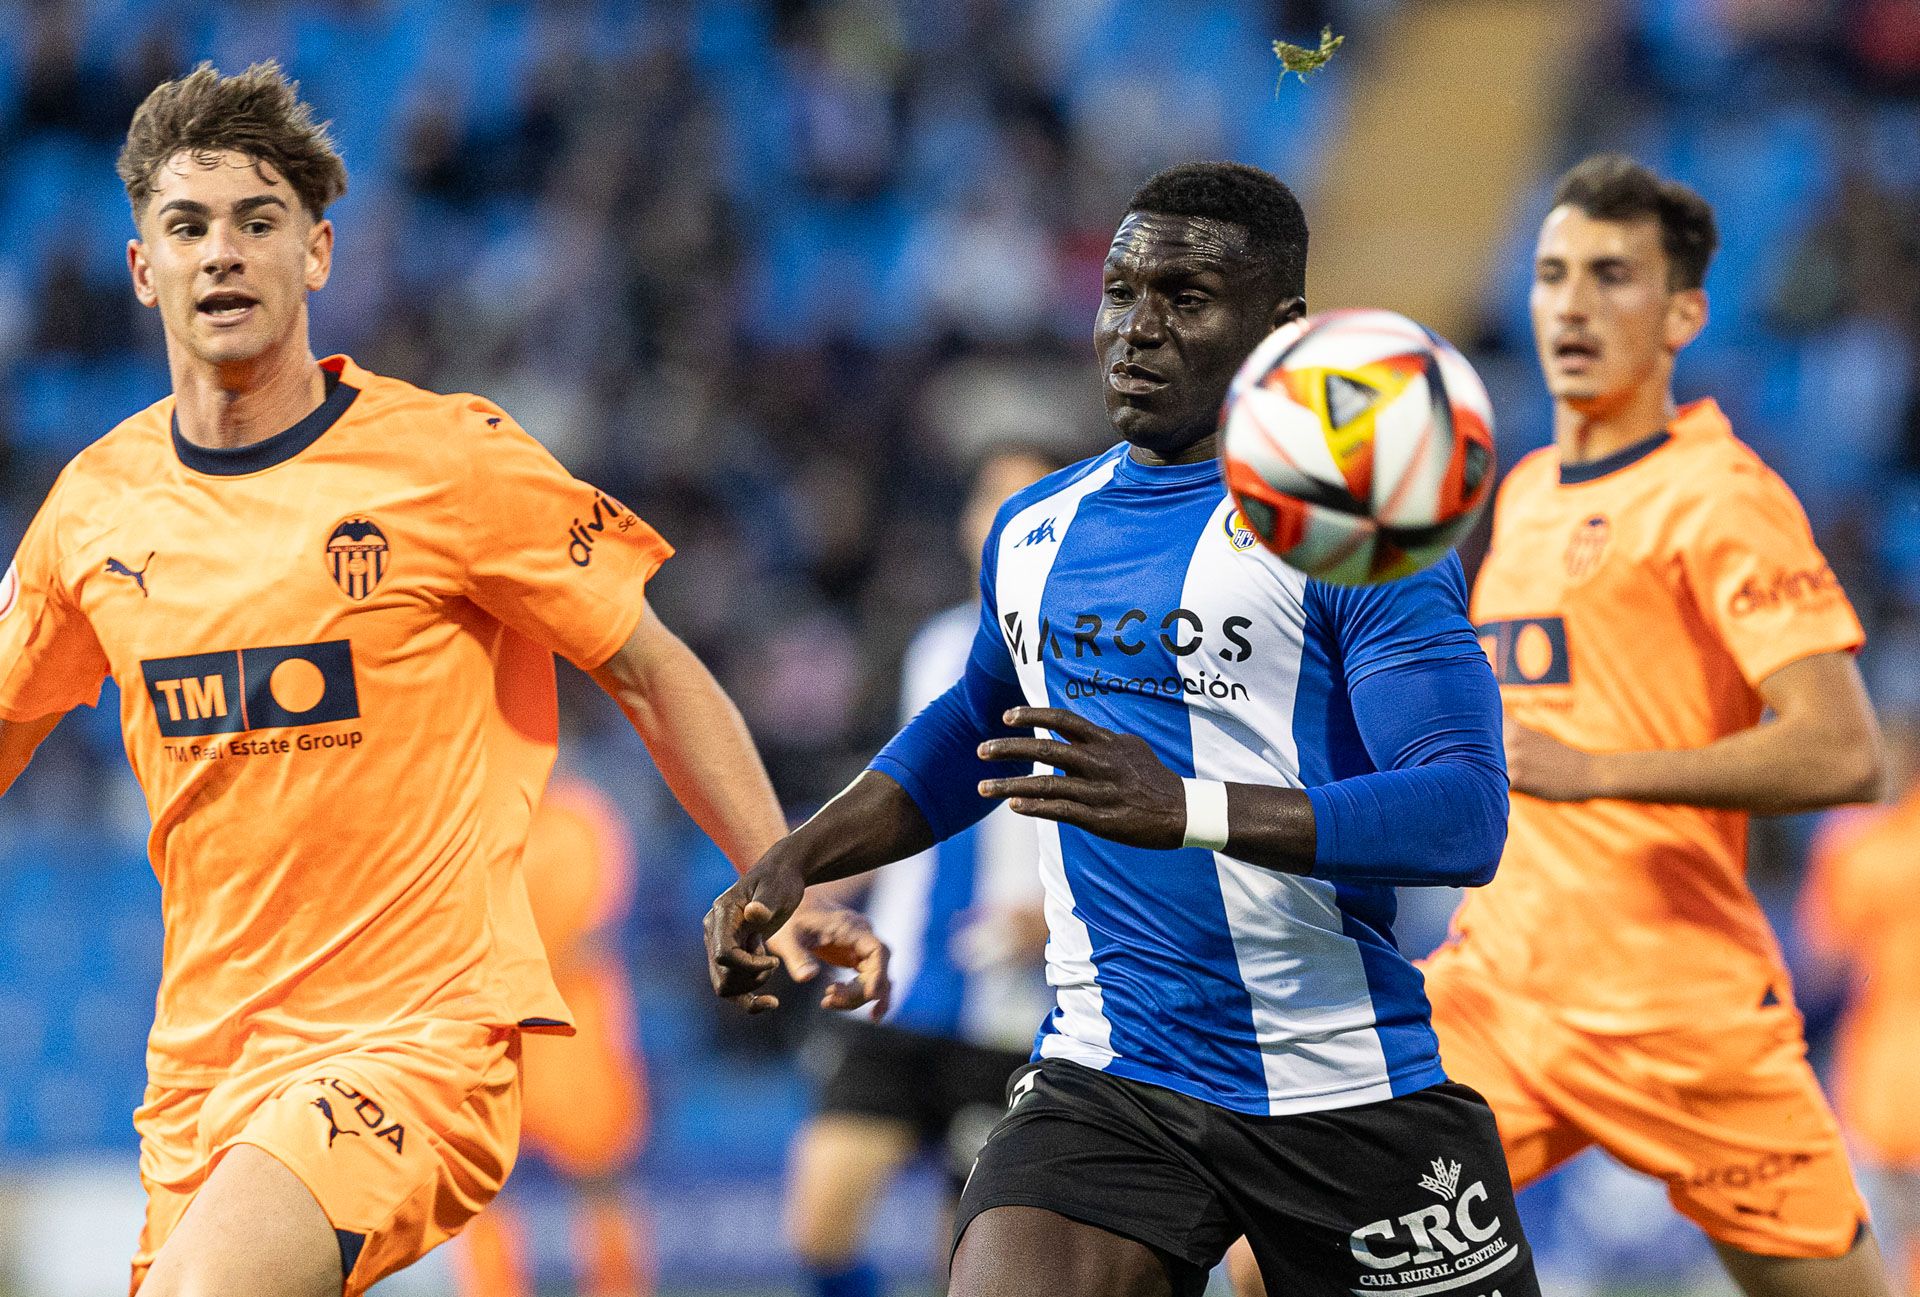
[(1239, 535), (9, 590), (1587, 547), (358, 556)]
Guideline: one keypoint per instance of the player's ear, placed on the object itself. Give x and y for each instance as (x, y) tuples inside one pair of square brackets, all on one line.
[(1287, 311), (1686, 316), (142, 272), (319, 255)]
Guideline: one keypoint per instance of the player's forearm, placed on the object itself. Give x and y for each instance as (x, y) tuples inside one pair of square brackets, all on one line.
[(1776, 768), (872, 823), (700, 743), (18, 739)]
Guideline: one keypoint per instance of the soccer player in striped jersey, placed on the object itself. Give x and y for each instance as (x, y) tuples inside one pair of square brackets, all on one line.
[(965, 923), (1247, 763), (332, 602)]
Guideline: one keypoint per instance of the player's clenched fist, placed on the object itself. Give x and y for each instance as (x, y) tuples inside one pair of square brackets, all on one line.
[(1109, 784), (765, 920)]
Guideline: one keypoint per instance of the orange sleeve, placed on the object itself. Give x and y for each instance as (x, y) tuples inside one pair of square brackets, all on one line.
[(1759, 579), (560, 562), (50, 659)]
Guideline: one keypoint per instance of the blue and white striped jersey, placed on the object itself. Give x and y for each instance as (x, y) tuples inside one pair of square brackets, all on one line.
[(918, 905), (1133, 596)]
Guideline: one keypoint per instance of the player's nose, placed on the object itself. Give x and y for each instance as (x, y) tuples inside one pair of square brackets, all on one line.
[(220, 255)]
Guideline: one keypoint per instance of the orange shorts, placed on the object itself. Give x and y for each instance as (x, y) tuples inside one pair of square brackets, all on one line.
[(1728, 1113), (401, 1137), (586, 1094)]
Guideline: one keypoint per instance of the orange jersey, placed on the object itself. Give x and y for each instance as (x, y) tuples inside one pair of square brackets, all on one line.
[(1856, 907), (334, 650), (1635, 604)]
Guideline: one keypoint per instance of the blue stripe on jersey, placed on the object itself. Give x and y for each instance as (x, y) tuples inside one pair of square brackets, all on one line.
[(1162, 945), (938, 990), (1330, 749)]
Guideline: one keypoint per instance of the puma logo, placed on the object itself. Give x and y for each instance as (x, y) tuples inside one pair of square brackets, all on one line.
[(333, 1127), (139, 578)]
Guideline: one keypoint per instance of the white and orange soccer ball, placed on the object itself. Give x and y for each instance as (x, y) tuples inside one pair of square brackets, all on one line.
[(1358, 445)]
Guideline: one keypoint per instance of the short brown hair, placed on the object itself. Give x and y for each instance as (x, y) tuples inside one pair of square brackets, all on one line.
[(257, 113), (1613, 187)]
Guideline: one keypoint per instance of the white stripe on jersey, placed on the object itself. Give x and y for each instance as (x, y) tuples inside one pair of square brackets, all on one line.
[(1286, 929), (1084, 1035)]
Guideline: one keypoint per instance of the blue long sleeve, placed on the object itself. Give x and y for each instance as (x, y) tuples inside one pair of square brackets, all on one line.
[(935, 759), (1433, 811)]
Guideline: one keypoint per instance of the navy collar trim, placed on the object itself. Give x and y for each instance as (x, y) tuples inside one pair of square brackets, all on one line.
[(1594, 469), (277, 449)]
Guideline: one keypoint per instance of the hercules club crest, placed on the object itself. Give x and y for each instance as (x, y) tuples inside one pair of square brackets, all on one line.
[(358, 557)]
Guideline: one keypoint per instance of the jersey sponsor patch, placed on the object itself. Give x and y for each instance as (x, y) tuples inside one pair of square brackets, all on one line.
[(1456, 1242), (235, 690), (1527, 650), (9, 590)]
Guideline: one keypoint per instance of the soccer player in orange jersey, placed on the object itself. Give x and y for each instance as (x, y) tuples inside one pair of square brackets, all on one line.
[(331, 601), (1856, 919), (584, 1104), (1652, 590)]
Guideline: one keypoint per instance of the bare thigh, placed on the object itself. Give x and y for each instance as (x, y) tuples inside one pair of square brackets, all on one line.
[(1860, 1273), (1018, 1251), (253, 1231)]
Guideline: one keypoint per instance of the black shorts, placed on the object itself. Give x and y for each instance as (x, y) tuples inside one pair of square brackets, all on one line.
[(949, 1091), (1402, 1197)]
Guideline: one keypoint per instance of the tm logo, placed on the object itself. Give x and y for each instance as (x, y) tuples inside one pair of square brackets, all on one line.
[(1040, 534), (252, 689)]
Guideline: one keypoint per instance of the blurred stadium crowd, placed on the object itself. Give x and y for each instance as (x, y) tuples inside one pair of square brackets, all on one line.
[(774, 273)]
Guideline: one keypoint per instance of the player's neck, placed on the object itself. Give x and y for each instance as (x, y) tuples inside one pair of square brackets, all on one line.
[(225, 407), (1596, 431)]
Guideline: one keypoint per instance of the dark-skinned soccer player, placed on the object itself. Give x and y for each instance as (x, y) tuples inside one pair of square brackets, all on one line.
[(1229, 767)]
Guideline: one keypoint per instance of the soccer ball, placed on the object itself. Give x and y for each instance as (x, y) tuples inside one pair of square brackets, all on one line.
[(1358, 445)]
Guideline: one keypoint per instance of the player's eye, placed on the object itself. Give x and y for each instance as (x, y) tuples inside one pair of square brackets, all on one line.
[(1119, 293), (258, 227), (1191, 300), (1548, 273)]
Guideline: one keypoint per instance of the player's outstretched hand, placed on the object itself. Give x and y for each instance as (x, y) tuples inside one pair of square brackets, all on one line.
[(825, 932), (766, 919), (739, 924), (1544, 767), (1109, 784)]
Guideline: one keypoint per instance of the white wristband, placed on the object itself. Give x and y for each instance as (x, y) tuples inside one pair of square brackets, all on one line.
[(1206, 814)]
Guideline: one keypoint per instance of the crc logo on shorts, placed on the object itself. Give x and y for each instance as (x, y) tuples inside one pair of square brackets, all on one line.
[(1457, 1241), (350, 1113), (358, 556), (1239, 535), (9, 590), (253, 689), (1587, 547), (1527, 650)]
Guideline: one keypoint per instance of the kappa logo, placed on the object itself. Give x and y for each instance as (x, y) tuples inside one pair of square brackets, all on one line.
[(116, 568), (1043, 534), (358, 556), (9, 590), (1457, 1241)]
